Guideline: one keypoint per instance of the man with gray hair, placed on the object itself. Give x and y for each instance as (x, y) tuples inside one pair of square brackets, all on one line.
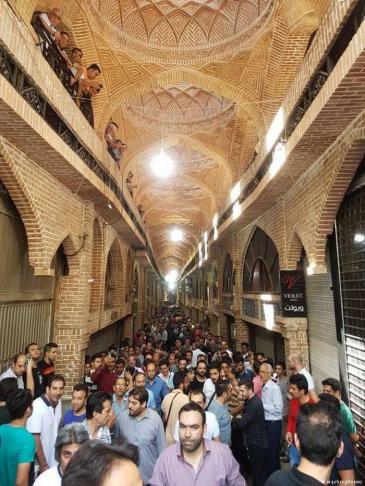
[(296, 364), (273, 408), (68, 441)]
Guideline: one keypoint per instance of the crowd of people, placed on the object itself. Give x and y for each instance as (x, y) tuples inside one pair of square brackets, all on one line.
[(173, 405)]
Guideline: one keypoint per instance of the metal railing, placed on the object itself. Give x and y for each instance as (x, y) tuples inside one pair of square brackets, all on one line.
[(310, 92), (14, 73)]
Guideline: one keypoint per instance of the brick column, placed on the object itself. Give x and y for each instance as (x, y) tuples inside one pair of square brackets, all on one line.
[(127, 330), (72, 306), (241, 332), (295, 334)]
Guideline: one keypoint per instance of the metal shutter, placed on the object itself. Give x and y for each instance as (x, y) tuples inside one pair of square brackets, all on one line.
[(323, 352)]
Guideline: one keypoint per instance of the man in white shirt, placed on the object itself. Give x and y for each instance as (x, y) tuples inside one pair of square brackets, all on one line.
[(99, 416), (165, 374), (223, 349), (296, 364), (51, 21), (212, 431), (68, 442), (17, 370), (45, 420), (196, 352), (209, 385)]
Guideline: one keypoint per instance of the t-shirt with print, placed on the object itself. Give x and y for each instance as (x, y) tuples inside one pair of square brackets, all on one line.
[(17, 446), (70, 418)]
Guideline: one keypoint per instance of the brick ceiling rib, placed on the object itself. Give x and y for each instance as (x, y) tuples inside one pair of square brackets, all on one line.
[(210, 74)]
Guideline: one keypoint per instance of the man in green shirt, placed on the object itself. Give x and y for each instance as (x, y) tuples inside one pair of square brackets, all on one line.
[(17, 445), (333, 387)]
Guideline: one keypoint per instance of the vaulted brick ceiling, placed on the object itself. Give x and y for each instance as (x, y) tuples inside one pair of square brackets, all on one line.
[(202, 77)]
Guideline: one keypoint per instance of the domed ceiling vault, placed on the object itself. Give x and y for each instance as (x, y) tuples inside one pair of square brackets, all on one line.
[(210, 75)]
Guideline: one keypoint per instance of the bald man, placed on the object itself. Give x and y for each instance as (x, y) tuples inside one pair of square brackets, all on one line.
[(272, 401), (51, 21), (296, 364)]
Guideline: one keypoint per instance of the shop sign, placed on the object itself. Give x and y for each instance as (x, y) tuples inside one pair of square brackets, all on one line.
[(292, 293)]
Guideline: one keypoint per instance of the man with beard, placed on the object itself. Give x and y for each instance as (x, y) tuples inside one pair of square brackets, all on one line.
[(195, 460), (209, 385), (252, 423), (34, 352), (44, 421), (200, 377), (143, 428), (298, 390)]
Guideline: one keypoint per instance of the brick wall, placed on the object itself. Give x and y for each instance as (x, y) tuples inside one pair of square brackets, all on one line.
[(52, 216)]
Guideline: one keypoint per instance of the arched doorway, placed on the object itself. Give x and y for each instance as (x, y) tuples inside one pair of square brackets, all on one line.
[(25, 300), (228, 328), (261, 295)]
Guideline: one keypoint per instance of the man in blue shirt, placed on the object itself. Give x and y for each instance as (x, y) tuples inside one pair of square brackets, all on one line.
[(142, 427), (77, 412), (219, 407), (156, 385)]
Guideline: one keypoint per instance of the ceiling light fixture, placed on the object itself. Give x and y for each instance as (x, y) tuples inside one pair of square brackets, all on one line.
[(161, 164), (171, 277), (176, 235)]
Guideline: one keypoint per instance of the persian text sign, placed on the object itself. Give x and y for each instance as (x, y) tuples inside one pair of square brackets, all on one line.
[(292, 293)]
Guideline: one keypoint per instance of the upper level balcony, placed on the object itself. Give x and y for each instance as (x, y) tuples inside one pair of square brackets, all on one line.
[(55, 134), (325, 99)]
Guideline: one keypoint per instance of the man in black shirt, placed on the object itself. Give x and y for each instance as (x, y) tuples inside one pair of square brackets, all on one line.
[(252, 421), (318, 437), (46, 365), (33, 351), (200, 377)]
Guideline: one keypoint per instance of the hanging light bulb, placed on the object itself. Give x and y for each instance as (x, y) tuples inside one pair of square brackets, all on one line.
[(162, 165), (176, 235)]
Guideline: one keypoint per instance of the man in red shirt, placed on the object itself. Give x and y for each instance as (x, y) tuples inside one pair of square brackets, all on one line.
[(298, 390), (106, 376)]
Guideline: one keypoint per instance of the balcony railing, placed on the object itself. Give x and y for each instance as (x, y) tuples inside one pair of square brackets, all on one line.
[(52, 55), (14, 73), (348, 30)]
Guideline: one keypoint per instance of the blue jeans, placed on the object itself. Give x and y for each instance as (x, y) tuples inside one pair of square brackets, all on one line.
[(294, 455)]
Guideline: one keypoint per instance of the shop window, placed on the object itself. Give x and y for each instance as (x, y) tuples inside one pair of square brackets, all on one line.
[(261, 265)]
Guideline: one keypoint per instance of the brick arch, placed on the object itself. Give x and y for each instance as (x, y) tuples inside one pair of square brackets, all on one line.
[(183, 74), (129, 273), (136, 281), (294, 250), (352, 154), (117, 276), (248, 241), (96, 268), (72, 247), (29, 214), (247, 244)]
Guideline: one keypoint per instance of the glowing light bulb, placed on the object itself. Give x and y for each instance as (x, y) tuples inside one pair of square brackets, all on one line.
[(162, 165), (176, 235)]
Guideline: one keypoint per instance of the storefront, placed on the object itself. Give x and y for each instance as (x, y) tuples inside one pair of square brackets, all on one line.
[(348, 271)]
